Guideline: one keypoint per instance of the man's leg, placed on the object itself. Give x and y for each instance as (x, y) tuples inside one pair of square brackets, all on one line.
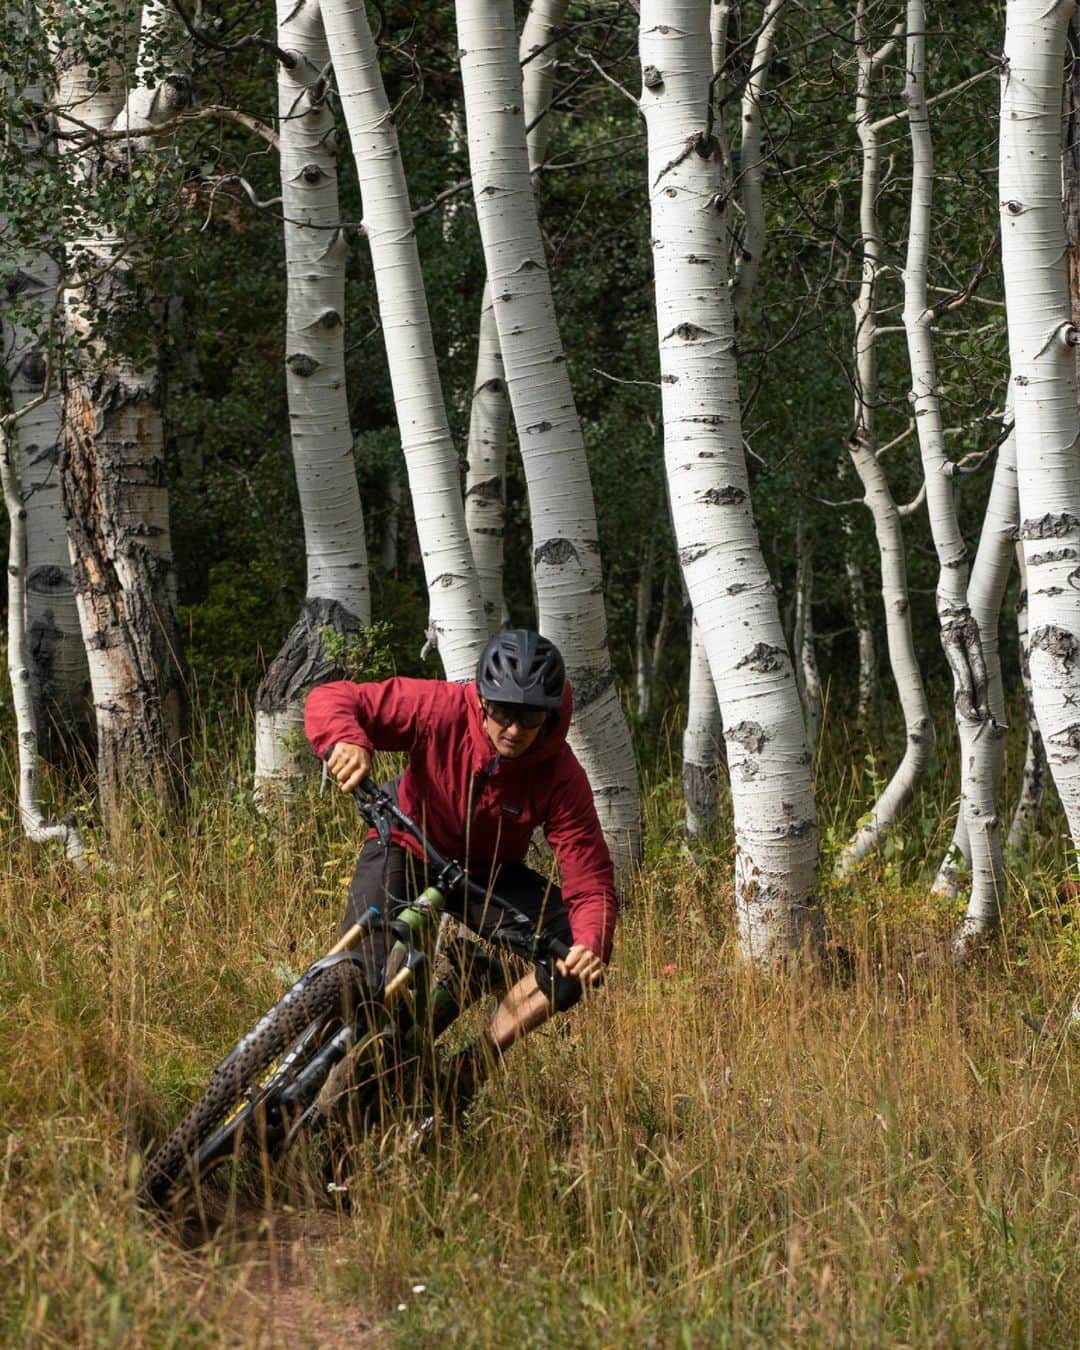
[(532, 1001), (522, 1009), (380, 876)]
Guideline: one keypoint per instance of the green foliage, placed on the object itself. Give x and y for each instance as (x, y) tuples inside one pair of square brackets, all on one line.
[(222, 633), (362, 655)]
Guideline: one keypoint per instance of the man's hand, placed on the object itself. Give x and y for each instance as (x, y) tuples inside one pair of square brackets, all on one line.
[(350, 765), (583, 963)]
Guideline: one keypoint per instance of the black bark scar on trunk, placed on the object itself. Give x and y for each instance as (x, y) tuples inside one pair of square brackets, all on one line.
[(764, 659), (752, 736), (962, 644), (555, 552), (302, 660), (1048, 526), (1056, 642), (486, 489), (588, 686)]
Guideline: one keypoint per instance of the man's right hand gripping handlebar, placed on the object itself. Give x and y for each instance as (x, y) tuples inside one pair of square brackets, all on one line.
[(350, 764)]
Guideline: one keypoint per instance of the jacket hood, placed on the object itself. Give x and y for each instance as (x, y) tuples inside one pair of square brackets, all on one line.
[(546, 746)]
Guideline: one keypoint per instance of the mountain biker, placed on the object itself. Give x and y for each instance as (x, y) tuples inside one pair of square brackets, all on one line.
[(488, 764)]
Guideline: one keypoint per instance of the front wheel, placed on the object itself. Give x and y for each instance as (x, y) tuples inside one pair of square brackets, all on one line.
[(240, 1087)]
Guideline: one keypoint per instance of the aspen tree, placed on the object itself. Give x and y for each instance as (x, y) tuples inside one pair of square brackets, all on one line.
[(703, 728), (338, 594), (457, 627), (986, 592), (489, 415), (55, 656), (863, 447), (566, 550), (961, 633), (113, 468), (806, 668), (36, 826), (730, 588), (1042, 338)]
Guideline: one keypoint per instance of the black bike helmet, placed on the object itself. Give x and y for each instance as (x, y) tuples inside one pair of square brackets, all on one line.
[(519, 666)]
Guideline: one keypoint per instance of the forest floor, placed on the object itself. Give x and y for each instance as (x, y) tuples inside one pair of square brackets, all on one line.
[(701, 1156), (273, 1298)]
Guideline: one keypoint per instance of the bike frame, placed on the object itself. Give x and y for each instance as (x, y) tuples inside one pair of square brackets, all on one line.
[(410, 997), (399, 1009)]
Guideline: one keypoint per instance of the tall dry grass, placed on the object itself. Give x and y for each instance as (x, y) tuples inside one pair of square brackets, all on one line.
[(702, 1156)]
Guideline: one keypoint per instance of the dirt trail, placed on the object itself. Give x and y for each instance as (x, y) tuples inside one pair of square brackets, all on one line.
[(277, 1260)]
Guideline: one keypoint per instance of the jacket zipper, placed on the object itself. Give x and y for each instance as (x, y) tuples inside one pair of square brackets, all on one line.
[(487, 774)]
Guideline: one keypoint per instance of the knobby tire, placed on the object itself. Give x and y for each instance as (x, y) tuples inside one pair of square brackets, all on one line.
[(327, 990)]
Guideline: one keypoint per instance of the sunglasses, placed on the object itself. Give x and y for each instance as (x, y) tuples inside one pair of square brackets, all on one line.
[(506, 714)]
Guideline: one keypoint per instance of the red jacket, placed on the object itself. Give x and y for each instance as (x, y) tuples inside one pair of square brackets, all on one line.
[(475, 806)]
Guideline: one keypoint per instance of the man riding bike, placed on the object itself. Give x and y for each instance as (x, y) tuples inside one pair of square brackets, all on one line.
[(488, 764)]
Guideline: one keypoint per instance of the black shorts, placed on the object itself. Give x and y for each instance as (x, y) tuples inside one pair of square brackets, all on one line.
[(389, 877)]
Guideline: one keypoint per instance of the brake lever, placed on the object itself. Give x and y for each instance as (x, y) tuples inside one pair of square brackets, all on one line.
[(378, 820)]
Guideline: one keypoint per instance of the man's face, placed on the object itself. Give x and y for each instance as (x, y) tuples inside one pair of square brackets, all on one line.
[(511, 729)]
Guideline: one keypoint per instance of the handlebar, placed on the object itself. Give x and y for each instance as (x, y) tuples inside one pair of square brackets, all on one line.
[(378, 808)]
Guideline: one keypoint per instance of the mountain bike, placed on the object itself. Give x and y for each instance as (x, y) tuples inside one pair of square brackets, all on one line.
[(355, 1018)]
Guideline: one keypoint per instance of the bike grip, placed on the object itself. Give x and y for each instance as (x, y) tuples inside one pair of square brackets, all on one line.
[(558, 949)]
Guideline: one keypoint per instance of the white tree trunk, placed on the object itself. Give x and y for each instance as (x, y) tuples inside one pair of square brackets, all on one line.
[(337, 591), (701, 741), (485, 482), (720, 13), (748, 258), (642, 653), (1033, 780), (806, 667), (56, 658), (897, 793), (457, 625), (391, 529), (860, 617), (961, 634), (730, 589), (56, 655), (986, 592), (566, 550), (703, 728), (31, 812), (151, 98), (1041, 341), (113, 473), (489, 418)]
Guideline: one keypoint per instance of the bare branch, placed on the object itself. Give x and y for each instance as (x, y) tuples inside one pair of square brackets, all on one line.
[(452, 191), (610, 78), (10, 418), (845, 505), (287, 59), (887, 48), (615, 379), (937, 98), (909, 508), (958, 298), (190, 115), (975, 459), (896, 440)]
